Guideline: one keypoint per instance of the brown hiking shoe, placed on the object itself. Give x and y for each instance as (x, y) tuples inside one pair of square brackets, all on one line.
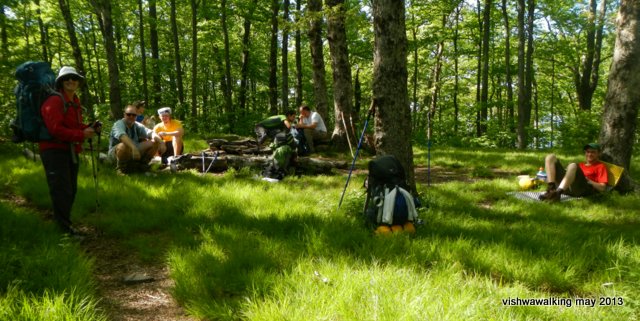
[(551, 196)]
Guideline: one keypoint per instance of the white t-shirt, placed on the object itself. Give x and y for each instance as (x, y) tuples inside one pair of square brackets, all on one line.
[(315, 118)]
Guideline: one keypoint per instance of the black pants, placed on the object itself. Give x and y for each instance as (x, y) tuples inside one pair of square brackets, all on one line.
[(580, 187), (169, 152), (62, 178)]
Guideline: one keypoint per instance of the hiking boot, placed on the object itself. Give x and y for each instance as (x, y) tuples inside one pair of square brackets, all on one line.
[(551, 196)]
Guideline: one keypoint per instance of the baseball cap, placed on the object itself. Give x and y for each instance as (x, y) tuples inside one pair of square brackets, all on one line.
[(591, 146)]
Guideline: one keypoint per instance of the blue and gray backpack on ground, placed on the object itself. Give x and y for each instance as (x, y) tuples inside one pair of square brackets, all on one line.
[(388, 198), (36, 82)]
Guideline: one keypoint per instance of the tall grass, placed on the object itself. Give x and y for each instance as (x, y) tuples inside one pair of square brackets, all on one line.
[(241, 248), (43, 275)]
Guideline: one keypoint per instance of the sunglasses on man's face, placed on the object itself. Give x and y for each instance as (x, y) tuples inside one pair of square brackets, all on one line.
[(71, 77), (131, 114)]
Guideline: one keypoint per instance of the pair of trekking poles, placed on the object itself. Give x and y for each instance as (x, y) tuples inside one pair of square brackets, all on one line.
[(353, 163), (97, 126)]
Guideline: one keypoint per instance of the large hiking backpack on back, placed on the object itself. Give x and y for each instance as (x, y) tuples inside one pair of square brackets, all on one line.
[(388, 199), (36, 82)]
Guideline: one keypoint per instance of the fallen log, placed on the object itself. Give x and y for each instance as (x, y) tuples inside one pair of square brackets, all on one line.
[(208, 161)]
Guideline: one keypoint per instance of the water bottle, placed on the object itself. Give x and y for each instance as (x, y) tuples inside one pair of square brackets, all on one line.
[(541, 175)]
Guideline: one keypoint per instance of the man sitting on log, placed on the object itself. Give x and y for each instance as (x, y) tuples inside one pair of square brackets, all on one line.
[(313, 127), (131, 145), (273, 125)]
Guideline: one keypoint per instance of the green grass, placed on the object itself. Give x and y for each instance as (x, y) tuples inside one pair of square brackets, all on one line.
[(240, 248)]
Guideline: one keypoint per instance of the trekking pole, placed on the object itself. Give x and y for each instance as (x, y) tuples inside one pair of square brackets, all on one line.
[(95, 176), (344, 123), (215, 156), (428, 150), (353, 163)]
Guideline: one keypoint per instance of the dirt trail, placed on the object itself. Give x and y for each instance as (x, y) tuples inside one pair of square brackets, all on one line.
[(145, 300)]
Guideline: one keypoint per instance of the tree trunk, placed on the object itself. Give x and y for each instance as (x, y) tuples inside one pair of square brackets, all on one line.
[(285, 56), (177, 58), (507, 71), (143, 51), (484, 90), (342, 90), (620, 116), (246, 52), (273, 59), (317, 57), (100, 83), (228, 98), (43, 33), (87, 102), (456, 81), (389, 85), (437, 70), (524, 106), (194, 58), (298, 45), (155, 52), (587, 81), (4, 42), (103, 11)]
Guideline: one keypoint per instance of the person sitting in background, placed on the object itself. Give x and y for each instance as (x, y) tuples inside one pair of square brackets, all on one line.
[(273, 125), (148, 122), (313, 127), (171, 132), (583, 179), (131, 145)]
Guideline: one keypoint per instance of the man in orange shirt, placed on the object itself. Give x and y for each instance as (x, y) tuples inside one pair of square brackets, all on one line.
[(583, 179)]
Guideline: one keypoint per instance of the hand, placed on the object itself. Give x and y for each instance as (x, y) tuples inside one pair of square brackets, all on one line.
[(97, 126), (89, 132)]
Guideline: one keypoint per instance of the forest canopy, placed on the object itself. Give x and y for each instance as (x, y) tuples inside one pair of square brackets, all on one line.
[(480, 73)]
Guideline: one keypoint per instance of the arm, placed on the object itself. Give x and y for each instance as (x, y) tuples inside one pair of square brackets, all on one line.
[(53, 115), (129, 143), (301, 124), (600, 187), (177, 132)]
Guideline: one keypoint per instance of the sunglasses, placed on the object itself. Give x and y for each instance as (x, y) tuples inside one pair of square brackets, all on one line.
[(131, 114), (71, 77)]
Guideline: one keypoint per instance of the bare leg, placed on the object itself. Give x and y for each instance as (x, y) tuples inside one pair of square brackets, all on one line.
[(550, 167), (177, 145), (148, 149), (569, 177)]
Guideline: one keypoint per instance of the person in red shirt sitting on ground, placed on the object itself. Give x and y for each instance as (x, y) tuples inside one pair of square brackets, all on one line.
[(583, 179)]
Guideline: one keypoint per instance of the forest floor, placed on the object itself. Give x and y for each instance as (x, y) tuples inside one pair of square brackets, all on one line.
[(148, 295)]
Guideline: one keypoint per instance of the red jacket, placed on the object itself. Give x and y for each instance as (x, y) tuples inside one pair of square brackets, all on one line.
[(64, 127)]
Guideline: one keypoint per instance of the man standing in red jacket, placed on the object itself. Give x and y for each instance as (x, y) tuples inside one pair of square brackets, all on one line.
[(63, 119)]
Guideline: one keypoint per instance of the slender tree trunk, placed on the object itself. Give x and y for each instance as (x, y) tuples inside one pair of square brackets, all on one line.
[(298, 39), (342, 86), (273, 59), (586, 77), (507, 71), (155, 52), (414, 79), (456, 79), (4, 42), (620, 116), (103, 11), (228, 98), (100, 83), (389, 84), (87, 101), (43, 33), (484, 92), (143, 52), (194, 58), (285, 56), (437, 70), (317, 57), (246, 52), (523, 112), (176, 53)]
